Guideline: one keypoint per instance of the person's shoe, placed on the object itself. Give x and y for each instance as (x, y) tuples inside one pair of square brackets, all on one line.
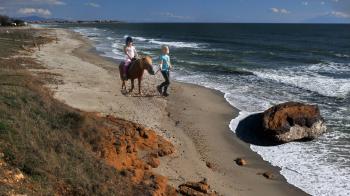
[(159, 88), (165, 94)]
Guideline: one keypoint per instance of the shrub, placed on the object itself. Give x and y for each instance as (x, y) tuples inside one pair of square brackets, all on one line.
[(3, 127), (4, 20), (19, 22)]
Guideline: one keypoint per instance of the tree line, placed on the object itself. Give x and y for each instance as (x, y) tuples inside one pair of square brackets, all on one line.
[(7, 21)]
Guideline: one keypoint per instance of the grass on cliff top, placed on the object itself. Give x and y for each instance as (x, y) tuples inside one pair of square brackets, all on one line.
[(14, 39), (48, 141)]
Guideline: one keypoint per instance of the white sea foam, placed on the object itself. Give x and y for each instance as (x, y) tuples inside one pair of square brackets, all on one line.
[(235, 122), (140, 39), (116, 45), (195, 63), (118, 54), (306, 165), (329, 67), (342, 55), (169, 43), (150, 54), (113, 54), (208, 49), (176, 44), (109, 55), (309, 80), (88, 32)]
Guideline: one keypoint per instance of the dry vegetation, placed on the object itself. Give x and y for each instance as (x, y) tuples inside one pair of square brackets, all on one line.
[(14, 39), (48, 148)]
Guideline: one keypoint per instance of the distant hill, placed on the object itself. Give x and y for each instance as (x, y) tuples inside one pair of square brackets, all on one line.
[(32, 18), (39, 19)]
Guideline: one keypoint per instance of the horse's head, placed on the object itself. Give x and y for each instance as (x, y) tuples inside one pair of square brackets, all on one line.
[(147, 64)]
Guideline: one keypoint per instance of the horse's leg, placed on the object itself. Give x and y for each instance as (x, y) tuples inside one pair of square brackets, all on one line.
[(123, 85), (132, 85), (121, 73), (139, 82)]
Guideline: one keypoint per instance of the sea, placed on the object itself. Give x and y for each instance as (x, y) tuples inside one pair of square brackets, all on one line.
[(257, 66)]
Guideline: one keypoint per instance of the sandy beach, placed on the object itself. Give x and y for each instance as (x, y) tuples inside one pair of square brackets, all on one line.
[(195, 119)]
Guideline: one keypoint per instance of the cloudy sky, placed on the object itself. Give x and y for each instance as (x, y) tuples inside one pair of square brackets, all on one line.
[(281, 11)]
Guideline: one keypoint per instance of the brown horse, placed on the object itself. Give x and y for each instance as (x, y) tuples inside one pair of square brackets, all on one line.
[(135, 71)]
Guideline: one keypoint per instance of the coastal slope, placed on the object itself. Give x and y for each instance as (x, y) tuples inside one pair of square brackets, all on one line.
[(49, 148)]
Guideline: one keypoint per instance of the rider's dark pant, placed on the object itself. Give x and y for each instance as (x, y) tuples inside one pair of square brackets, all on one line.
[(166, 83)]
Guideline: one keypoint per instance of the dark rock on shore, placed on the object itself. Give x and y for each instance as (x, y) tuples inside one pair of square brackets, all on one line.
[(293, 121), (241, 162), (209, 165), (268, 175), (196, 189)]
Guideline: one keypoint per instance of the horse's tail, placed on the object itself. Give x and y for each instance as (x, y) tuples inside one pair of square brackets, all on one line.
[(121, 70)]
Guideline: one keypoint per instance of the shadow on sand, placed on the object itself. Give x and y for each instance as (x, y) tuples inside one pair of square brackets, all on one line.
[(144, 95), (250, 130), (133, 94)]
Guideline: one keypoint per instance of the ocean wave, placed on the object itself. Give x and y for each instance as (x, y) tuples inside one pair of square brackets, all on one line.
[(298, 161), (118, 54), (116, 45), (250, 52), (194, 62), (342, 55), (330, 67), (85, 31), (138, 38), (175, 44), (115, 54), (211, 67), (309, 80), (237, 92), (149, 54)]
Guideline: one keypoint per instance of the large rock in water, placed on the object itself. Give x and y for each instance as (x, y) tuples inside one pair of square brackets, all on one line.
[(293, 121)]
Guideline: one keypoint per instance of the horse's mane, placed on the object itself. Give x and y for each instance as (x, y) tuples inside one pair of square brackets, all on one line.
[(134, 62), (138, 60)]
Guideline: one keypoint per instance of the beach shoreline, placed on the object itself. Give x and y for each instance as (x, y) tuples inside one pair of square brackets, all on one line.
[(194, 118)]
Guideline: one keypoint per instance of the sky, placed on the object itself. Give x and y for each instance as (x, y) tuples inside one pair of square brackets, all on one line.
[(244, 11)]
